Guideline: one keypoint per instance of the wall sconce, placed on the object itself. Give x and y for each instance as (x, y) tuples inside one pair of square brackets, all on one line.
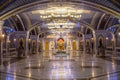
[(14, 40), (119, 33), (1, 37), (8, 41), (92, 38), (29, 40), (106, 38)]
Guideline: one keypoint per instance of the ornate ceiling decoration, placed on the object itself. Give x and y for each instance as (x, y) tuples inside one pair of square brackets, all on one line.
[(57, 14)]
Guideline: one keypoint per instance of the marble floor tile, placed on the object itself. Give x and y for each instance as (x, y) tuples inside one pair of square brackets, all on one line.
[(61, 67)]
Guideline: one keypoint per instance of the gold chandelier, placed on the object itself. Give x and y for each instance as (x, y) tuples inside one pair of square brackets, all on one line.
[(60, 17), (56, 12)]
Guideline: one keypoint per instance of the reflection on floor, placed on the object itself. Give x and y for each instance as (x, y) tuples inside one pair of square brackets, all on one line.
[(61, 67)]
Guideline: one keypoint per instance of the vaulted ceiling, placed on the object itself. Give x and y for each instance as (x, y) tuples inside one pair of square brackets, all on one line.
[(21, 15)]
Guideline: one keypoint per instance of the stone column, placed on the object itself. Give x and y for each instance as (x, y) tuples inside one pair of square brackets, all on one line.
[(78, 44), (91, 45), (84, 43), (27, 40), (43, 44), (1, 37), (66, 44), (7, 44), (114, 44), (95, 43), (38, 44)]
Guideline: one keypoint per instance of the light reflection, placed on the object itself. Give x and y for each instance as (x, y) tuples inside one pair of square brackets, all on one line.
[(11, 77), (113, 64), (82, 63), (29, 64), (61, 70), (29, 71), (93, 70), (14, 75), (108, 75), (29, 74), (119, 33), (39, 64), (93, 73)]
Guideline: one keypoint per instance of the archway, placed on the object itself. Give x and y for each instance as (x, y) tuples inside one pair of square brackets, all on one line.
[(100, 41), (87, 45), (21, 42)]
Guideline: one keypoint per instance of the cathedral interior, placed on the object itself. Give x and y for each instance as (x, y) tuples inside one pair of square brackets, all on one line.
[(59, 40)]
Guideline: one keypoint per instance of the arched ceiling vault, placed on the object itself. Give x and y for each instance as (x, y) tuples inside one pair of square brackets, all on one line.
[(24, 9), (18, 6)]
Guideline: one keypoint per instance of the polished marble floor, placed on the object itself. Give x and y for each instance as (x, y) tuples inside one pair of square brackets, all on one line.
[(73, 66)]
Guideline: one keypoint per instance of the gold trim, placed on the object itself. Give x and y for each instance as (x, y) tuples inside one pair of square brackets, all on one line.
[(5, 4)]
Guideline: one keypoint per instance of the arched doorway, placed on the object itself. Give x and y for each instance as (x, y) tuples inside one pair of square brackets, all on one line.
[(21, 42), (100, 41)]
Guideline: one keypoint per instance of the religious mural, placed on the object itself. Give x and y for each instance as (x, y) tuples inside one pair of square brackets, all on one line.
[(20, 48), (87, 45), (100, 41), (34, 46)]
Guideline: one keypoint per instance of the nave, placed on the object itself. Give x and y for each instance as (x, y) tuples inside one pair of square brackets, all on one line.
[(61, 66)]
